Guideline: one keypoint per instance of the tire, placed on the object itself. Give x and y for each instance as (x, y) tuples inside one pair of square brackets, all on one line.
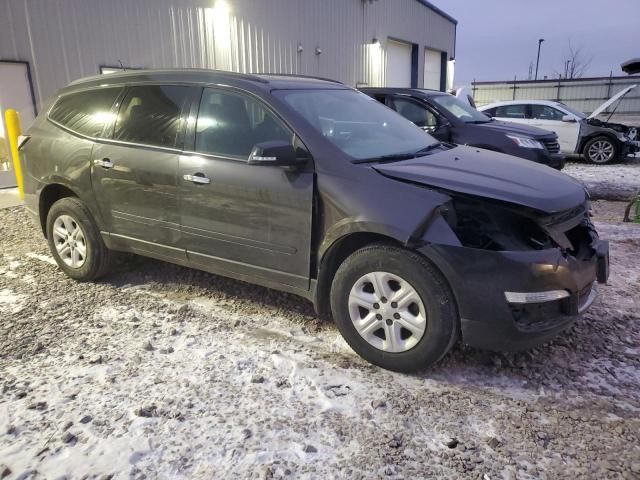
[(431, 307), (82, 236), (600, 150)]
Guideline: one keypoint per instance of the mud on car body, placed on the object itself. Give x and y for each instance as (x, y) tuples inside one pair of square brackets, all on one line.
[(310, 187)]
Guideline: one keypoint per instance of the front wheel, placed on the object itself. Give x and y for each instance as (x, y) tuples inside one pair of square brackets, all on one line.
[(600, 150), (394, 308), (75, 241)]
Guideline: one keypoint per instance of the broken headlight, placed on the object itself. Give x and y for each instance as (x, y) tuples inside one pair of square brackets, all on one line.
[(489, 226)]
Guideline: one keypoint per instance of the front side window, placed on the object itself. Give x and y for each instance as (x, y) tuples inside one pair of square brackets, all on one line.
[(545, 112), (416, 113), (85, 112), (231, 124), (357, 124), (151, 115), (512, 111), (461, 110)]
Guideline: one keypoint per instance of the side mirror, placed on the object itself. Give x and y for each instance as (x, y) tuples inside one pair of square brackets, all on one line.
[(486, 113), (275, 153), (568, 118)]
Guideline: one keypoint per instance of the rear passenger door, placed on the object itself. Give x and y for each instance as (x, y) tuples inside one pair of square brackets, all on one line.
[(246, 220), (134, 171)]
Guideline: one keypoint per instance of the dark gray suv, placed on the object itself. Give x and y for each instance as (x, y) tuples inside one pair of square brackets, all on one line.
[(311, 187), (449, 119)]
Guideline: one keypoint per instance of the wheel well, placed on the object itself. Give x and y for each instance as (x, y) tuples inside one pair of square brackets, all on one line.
[(613, 138), (334, 257), (50, 195)]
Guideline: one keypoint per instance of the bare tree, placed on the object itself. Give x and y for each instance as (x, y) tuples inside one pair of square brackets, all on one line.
[(575, 63)]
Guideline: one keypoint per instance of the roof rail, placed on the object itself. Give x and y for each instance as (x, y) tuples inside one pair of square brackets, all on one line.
[(295, 75), (157, 71)]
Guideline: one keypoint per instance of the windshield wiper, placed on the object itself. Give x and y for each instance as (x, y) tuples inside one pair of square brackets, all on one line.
[(401, 156)]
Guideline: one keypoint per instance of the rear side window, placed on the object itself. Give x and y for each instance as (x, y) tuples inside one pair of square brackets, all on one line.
[(511, 111), (85, 112), (151, 115)]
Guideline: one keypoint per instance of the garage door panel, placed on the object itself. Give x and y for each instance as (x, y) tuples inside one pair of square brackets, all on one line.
[(398, 64), (432, 69)]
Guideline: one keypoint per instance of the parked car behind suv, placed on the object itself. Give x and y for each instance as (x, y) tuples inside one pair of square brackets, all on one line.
[(598, 141), (311, 187), (449, 119)]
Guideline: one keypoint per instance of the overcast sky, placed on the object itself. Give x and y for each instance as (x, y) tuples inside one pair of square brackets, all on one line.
[(497, 39)]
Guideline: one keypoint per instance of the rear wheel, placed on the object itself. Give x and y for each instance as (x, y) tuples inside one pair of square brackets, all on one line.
[(75, 241), (394, 308), (600, 150)]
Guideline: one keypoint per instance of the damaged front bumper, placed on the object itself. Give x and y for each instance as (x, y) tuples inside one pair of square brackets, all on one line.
[(513, 299), (484, 281)]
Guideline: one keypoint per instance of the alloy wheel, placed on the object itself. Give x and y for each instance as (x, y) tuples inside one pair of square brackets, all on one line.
[(600, 151), (387, 312), (69, 241)]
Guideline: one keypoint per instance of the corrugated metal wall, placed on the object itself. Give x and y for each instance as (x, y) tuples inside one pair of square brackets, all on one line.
[(583, 94), (67, 39)]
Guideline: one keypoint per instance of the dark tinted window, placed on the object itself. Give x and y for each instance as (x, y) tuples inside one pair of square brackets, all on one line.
[(231, 124), (151, 115), (545, 112), (418, 114), (85, 112), (511, 111)]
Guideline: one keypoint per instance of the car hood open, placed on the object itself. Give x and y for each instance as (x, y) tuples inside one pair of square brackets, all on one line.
[(609, 102), (491, 175)]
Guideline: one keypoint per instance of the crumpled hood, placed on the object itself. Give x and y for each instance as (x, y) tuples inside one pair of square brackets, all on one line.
[(492, 175), (513, 129)]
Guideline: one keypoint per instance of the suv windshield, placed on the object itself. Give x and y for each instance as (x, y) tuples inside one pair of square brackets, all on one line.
[(357, 124), (460, 110)]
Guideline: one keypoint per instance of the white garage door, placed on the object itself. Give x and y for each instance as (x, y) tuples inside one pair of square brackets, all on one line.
[(432, 69), (398, 64)]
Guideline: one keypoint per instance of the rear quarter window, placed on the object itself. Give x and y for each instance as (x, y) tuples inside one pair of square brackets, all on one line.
[(85, 112)]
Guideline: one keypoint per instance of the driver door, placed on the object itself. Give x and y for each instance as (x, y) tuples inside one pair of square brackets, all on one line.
[(250, 221), (550, 118)]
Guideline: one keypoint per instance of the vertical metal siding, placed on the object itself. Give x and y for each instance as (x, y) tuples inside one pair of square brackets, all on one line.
[(67, 39)]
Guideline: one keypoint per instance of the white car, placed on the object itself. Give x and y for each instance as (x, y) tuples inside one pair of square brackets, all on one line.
[(598, 141)]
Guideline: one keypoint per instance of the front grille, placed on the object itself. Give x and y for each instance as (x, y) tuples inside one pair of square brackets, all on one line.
[(551, 144)]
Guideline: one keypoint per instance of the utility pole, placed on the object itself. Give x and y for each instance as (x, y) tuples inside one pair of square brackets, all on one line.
[(566, 68), (538, 60)]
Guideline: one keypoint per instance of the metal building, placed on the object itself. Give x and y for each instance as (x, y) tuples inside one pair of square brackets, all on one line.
[(46, 44)]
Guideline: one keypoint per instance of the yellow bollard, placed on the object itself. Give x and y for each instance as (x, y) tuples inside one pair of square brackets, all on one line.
[(12, 120)]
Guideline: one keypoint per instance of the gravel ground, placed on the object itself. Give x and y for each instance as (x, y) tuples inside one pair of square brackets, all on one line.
[(163, 371)]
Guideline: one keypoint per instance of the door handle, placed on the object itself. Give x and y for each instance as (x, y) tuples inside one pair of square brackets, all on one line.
[(103, 162), (197, 178)]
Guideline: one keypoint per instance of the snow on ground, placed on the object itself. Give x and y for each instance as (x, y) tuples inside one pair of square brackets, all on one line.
[(162, 371), (623, 177)]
